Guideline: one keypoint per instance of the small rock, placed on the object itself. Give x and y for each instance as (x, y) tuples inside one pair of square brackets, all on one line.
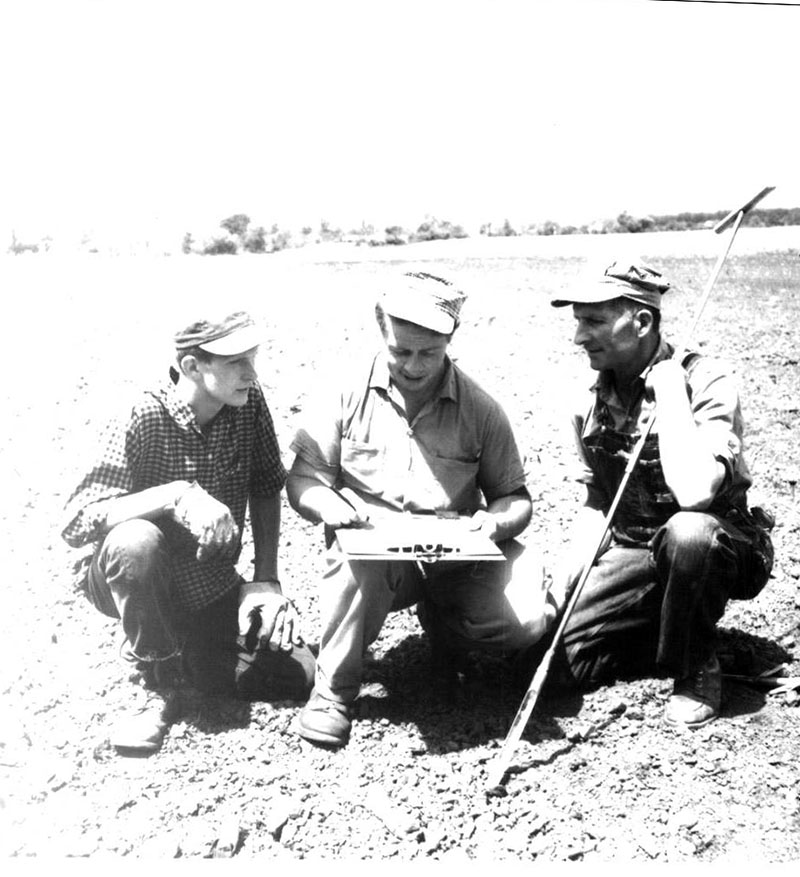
[(227, 842)]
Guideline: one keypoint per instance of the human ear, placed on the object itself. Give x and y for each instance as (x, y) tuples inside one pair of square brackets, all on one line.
[(644, 318), (189, 366)]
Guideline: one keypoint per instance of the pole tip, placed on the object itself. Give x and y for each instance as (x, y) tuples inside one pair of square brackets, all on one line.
[(497, 791)]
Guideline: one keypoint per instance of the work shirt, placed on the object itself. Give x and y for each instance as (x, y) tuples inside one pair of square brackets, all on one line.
[(458, 454), (234, 457), (715, 406)]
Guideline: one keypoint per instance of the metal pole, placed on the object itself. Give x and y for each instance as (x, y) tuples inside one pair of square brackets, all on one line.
[(499, 768)]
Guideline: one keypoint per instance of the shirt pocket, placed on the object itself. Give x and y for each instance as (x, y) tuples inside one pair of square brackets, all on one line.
[(363, 465), (447, 484)]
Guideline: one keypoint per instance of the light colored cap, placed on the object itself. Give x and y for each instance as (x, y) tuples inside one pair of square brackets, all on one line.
[(627, 278), (425, 300), (223, 336)]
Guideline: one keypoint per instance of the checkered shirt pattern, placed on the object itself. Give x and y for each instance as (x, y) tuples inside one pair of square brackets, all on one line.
[(159, 441)]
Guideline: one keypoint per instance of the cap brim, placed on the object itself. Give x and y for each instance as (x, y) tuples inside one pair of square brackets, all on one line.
[(238, 341), (602, 292)]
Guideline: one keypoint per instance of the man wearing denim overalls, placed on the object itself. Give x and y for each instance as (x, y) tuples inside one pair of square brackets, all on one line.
[(683, 540)]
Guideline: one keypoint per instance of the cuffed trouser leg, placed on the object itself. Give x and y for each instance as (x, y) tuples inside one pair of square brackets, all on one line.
[(643, 610), (355, 598), (129, 579)]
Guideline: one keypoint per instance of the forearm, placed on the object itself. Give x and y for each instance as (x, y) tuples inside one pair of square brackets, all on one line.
[(585, 538), (691, 471), (265, 520), (315, 501), (149, 504), (511, 514)]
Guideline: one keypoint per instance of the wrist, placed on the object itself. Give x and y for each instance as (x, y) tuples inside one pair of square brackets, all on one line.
[(263, 583), (177, 490)]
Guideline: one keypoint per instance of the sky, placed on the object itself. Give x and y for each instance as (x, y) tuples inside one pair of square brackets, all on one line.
[(146, 118)]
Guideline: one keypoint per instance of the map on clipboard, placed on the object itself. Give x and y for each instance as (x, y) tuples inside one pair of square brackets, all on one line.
[(427, 538)]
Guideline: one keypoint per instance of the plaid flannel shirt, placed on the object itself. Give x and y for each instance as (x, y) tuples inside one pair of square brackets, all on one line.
[(236, 457)]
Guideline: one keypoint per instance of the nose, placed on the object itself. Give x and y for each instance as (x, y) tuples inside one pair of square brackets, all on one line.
[(250, 372), (581, 335), (414, 367)]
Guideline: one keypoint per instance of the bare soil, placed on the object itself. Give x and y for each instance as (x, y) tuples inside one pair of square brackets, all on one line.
[(596, 777)]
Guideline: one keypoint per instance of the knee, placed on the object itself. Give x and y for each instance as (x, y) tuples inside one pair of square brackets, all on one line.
[(138, 545), (685, 541), (687, 530)]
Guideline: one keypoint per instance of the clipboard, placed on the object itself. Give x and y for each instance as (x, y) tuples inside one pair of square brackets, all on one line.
[(417, 537)]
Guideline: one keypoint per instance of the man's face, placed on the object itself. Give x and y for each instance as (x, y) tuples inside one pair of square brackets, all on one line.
[(227, 379), (416, 357), (609, 333)]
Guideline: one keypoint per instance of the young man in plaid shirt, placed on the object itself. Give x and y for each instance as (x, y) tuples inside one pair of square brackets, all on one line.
[(164, 507)]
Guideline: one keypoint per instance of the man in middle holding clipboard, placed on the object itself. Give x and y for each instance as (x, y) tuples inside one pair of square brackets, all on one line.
[(414, 434)]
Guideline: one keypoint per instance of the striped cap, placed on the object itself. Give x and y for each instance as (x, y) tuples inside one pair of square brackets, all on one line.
[(425, 300)]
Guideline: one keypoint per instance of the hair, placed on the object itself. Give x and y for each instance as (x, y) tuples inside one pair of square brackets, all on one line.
[(629, 305), (197, 352)]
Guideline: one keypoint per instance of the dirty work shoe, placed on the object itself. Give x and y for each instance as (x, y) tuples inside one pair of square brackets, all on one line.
[(142, 731), (696, 699), (324, 721)]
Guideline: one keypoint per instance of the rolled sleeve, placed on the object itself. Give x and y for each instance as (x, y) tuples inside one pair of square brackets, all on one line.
[(501, 470), (717, 413)]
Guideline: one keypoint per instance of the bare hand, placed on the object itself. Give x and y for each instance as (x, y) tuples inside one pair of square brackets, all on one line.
[(209, 521), (665, 377), (345, 510), (485, 523), (275, 615)]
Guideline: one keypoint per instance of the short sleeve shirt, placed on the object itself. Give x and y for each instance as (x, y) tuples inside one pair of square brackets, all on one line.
[(458, 454), (158, 441)]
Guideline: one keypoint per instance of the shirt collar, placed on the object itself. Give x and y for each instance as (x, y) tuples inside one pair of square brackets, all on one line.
[(604, 384), (178, 409)]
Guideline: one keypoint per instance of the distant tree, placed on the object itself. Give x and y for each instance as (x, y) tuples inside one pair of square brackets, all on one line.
[(188, 240), (548, 227), (256, 240), (328, 233), (395, 235), (17, 247), (634, 224), (220, 247), (437, 230), (236, 225)]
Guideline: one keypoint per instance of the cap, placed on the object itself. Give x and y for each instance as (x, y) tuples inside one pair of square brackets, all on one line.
[(425, 300), (224, 336), (628, 278)]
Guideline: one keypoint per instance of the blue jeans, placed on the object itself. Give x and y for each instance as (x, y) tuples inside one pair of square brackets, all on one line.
[(654, 609), (130, 579)]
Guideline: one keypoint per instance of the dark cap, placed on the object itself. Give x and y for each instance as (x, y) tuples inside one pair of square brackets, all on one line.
[(224, 336), (621, 279)]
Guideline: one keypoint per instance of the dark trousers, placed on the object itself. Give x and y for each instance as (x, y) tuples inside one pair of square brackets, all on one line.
[(130, 579), (652, 609)]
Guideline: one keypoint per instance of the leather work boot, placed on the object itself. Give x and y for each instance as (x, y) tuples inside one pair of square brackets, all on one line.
[(142, 732), (695, 700), (324, 721)]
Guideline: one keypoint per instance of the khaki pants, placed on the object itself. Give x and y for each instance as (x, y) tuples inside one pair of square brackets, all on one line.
[(498, 606)]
